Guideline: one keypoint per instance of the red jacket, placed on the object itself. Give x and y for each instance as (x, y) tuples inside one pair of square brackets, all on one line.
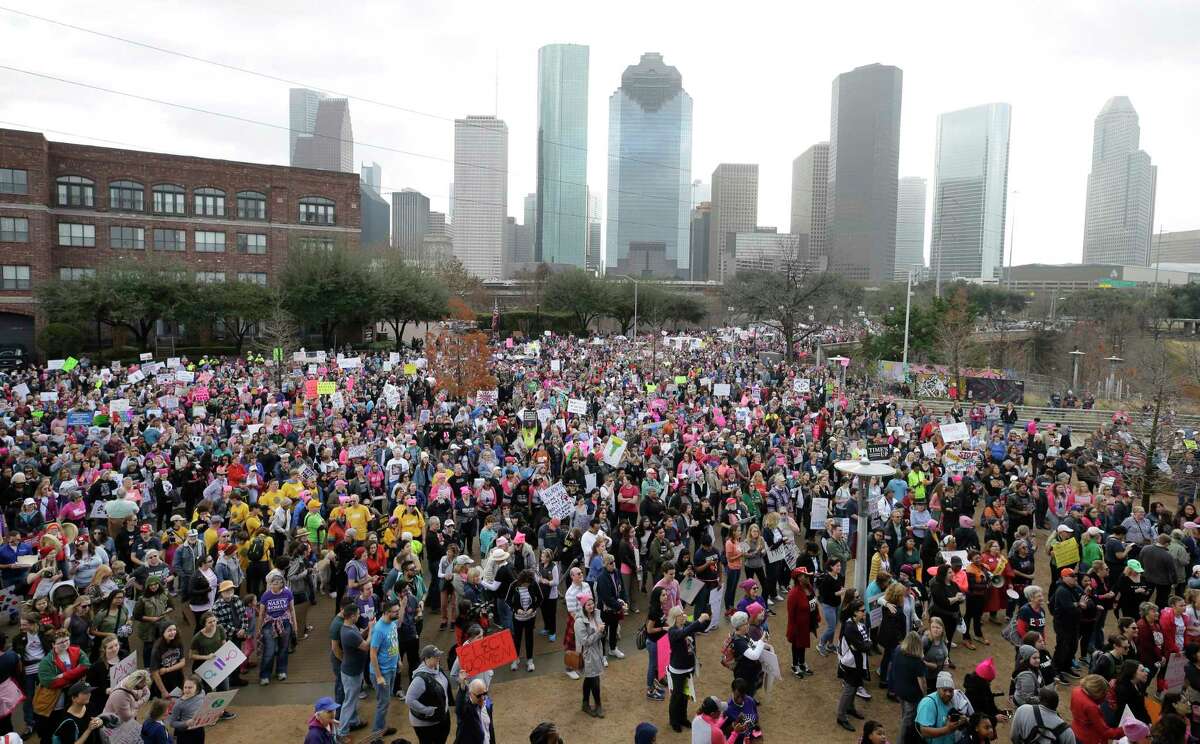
[(1087, 722), (802, 623)]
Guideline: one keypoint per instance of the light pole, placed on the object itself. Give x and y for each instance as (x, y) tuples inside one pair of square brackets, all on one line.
[(1012, 238), (635, 299), (1075, 355), (863, 469), (907, 310)]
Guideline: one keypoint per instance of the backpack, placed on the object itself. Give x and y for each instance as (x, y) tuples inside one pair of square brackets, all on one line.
[(728, 657), (1036, 734), (1009, 632), (257, 548)]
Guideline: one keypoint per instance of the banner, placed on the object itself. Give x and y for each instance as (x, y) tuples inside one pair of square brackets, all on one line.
[(487, 653), (956, 432), (182, 375), (486, 397), (557, 501), (228, 658), (357, 452), (577, 406), (721, 390), (614, 451)]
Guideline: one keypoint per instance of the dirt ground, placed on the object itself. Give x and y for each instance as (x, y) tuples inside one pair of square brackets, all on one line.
[(523, 699)]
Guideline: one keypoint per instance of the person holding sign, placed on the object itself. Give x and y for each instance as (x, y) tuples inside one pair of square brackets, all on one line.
[(183, 715), (76, 726)]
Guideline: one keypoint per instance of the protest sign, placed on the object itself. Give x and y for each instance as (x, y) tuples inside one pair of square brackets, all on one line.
[(614, 450), (21, 391), (529, 419), (69, 364), (215, 703), (689, 588), (311, 388), (785, 551), (146, 356), (410, 369), (819, 515), (172, 362), (118, 405), (555, 365), (577, 406), (122, 669), (349, 362), (357, 452), (79, 418), (928, 450), (99, 511), (878, 452), (228, 658), (721, 390), (182, 375), (487, 397), (337, 400), (55, 365), (201, 395), (49, 396), (956, 432), (326, 387), (1066, 553), (589, 482), (487, 653), (557, 501), (168, 402), (1175, 674), (800, 385)]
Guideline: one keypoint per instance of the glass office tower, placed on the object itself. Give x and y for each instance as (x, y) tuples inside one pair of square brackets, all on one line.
[(561, 233)]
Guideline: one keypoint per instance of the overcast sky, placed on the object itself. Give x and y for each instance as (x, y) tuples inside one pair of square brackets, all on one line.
[(759, 74)]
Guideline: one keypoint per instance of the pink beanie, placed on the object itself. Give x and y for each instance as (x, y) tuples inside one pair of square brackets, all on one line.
[(986, 669)]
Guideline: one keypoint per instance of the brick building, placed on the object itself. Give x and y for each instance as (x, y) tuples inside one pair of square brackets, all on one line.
[(71, 210)]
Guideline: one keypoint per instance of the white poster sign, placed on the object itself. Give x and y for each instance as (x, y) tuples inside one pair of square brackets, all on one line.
[(800, 385), (956, 432), (228, 658), (182, 375), (614, 451), (721, 390), (557, 501), (820, 513), (122, 669), (577, 406)]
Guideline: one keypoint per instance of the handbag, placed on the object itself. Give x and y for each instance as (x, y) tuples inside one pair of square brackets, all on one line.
[(640, 639), (572, 660), (11, 695), (45, 699)]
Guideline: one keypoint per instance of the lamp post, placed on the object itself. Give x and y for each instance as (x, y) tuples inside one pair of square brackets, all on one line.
[(1111, 386), (863, 469), (635, 299), (1075, 355), (907, 310)]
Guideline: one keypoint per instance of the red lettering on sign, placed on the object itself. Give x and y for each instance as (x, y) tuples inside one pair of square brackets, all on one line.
[(489, 652)]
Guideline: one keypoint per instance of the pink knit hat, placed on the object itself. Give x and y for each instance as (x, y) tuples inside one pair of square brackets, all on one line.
[(986, 669)]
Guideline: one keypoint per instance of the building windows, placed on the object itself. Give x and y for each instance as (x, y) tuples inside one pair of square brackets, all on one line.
[(312, 244), (14, 181), (75, 273), (253, 277), (14, 229), (251, 205), (169, 199), (16, 277), (208, 241), (76, 191), (210, 277), (130, 238), (75, 235), (209, 202), (316, 210), (169, 240), (252, 243), (127, 196)]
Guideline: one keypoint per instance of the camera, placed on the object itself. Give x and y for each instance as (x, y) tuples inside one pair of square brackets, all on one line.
[(954, 716)]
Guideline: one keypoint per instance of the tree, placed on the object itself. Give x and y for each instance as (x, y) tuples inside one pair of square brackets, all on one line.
[(956, 324), (461, 283), (323, 289), (577, 292), (797, 300), (240, 306), (460, 363), (403, 294), (278, 330)]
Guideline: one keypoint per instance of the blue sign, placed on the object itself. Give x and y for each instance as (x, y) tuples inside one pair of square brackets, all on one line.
[(79, 418)]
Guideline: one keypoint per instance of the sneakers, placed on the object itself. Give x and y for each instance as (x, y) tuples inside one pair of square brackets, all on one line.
[(605, 660), (862, 693), (529, 665), (263, 681), (822, 650), (845, 724), (401, 693), (618, 653), (228, 715), (806, 671), (655, 694), (282, 676), (796, 671), (515, 665), (572, 674), (551, 638)]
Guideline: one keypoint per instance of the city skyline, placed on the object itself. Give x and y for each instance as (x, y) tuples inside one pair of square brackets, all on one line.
[(738, 118), (1119, 216), (560, 235)]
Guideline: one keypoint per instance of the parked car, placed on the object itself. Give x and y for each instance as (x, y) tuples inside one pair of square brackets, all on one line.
[(13, 356)]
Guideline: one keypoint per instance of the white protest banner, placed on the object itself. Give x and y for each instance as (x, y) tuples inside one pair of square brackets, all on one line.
[(183, 375), (487, 397), (49, 396), (168, 402), (199, 412), (253, 429), (557, 501), (705, 382), (357, 452), (949, 555), (394, 357), (876, 616), (589, 482), (228, 658), (172, 362), (577, 406), (122, 669), (956, 432), (544, 415), (118, 405), (928, 450), (55, 364), (820, 513), (21, 390), (210, 710), (99, 511), (800, 385), (784, 551), (337, 401), (135, 377), (721, 390), (689, 589), (146, 356), (614, 451), (307, 473), (555, 365), (349, 362)]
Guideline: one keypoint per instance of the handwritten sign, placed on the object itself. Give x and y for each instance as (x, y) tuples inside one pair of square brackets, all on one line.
[(349, 362), (577, 406), (486, 397), (326, 387), (801, 385), (820, 513), (487, 653), (228, 658), (1175, 674), (122, 669), (311, 388), (1066, 553), (214, 704), (956, 432), (69, 364), (689, 588), (557, 501), (721, 390)]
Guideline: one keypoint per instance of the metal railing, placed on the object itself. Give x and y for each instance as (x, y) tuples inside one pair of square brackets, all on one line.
[(1081, 420)]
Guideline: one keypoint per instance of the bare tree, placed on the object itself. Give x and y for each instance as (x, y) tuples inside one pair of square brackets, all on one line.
[(956, 324)]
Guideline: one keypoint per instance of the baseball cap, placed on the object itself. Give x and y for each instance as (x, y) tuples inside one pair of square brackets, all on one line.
[(325, 704), (79, 688), (1064, 528), (430, 651), (1066, 572), (1135, 566)]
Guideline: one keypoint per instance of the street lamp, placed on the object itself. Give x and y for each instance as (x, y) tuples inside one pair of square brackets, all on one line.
[(1111, 385), (863, 469), (635, 299), (1075, 355), (907, 310)]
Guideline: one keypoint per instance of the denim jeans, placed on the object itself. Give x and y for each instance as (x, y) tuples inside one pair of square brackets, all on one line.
[(504, 616), (339, 690), (383, 696), (829, 615), (275, 650), (31, 683), (348, 715), (731, 585), (652, 663)]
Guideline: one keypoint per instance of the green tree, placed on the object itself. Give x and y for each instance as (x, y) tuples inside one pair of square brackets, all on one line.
[(577, 292), (240, 306), (404, 294), (324, 289)]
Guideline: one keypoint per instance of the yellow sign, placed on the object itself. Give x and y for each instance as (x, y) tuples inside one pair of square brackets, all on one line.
[(325, 387), (410, 369), (1066, 553), (1189, 444)]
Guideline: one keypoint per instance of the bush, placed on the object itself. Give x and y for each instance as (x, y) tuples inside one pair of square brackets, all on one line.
[(530, 322), (58, 340)]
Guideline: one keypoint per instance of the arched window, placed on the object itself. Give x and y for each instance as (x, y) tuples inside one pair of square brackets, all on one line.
[(208, 202), (169, 199), (251, 205), (316, 210), (76, 191), (127, 196)]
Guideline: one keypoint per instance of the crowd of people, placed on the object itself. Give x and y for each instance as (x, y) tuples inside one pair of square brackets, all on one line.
[(166, 508)]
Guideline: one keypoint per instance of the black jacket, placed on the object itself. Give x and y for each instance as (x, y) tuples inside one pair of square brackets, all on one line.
[(470, 724)]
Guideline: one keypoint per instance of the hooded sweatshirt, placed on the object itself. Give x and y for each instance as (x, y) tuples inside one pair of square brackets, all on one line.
[(1027, 682)]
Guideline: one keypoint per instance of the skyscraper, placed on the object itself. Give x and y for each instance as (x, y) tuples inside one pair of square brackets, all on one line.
[(649, 162), (1120, 196), (302, 116), (734, 210), (410, 222), (329, 145), (372, 175), (376, 216), (530, 211), (561, 233), (864, 162), (970, 193), (701, 192), (810, 191), (910, 227), (480, 209), (701, 227), (595, 214)]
